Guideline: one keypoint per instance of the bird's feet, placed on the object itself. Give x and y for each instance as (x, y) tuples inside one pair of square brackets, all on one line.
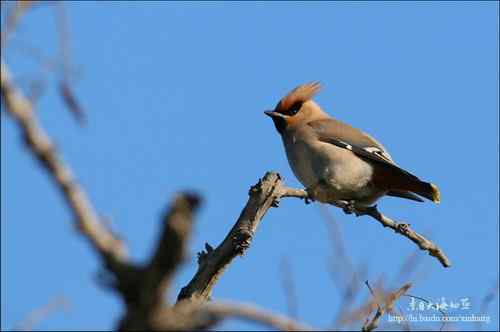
[(349, 207), (276, 202), (314, 191), (308, 199), (310, 195)]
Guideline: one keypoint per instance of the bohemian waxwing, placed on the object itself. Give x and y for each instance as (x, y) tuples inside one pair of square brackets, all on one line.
[(336, 162)]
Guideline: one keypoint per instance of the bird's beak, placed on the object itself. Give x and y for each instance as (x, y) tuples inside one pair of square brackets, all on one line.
[(273, 114)]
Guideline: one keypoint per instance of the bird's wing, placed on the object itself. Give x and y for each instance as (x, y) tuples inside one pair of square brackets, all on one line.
[(404, 194), (363, 145)]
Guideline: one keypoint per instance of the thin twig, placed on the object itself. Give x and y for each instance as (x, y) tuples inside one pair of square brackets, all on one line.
[(12, 20), (406, 231), (388, 305), (65, 88), (373, 293), (253, 314), (343, 271), (490, 296), (289, 289), (41, 313)]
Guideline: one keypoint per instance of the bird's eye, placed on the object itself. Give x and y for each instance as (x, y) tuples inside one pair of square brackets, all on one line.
[(294, 109)]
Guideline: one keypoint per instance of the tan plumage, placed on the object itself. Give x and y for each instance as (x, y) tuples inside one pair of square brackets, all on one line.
[(336, 161)]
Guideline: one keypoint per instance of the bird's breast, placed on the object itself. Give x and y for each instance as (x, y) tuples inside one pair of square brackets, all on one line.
[(301, 159), (345, 175)]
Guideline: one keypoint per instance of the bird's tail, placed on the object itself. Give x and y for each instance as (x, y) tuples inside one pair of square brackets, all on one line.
[(425, 189)]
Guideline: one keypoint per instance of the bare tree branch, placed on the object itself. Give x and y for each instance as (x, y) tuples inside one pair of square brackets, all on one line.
[(192, 315), (404, 230), (265, 194), (212, 262), (39, 143), (143, 290)]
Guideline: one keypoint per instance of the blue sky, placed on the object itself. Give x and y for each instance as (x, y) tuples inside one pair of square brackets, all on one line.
[(174, 94)]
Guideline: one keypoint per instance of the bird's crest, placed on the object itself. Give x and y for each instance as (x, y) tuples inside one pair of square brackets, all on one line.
[(300, 94)]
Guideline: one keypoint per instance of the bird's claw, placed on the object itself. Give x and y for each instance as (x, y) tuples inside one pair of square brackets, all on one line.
[(310, 196), (276, 202), (403, 228), (349, 207)]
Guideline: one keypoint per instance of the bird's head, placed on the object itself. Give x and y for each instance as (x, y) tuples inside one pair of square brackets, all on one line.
[(296, 107)]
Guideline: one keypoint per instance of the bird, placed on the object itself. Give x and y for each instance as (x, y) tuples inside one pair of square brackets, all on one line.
[(336, 162)]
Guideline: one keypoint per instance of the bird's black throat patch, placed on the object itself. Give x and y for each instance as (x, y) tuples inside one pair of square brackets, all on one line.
[(279, 123)]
